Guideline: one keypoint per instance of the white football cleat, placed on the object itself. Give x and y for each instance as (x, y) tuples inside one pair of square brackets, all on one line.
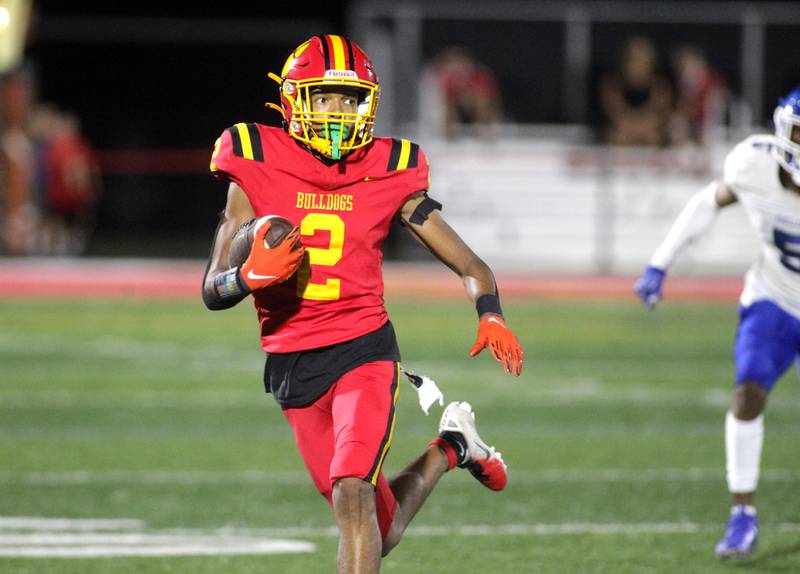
[(457, 427)]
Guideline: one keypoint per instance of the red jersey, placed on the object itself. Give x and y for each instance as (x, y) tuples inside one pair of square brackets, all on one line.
[(344, 212)]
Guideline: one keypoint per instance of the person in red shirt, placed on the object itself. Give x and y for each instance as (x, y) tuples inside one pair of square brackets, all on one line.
[(470, 92), (71, 181), (702, 96), (333, 363)]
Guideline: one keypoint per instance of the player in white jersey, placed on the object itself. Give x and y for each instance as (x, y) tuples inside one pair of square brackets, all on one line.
[(763, 174)]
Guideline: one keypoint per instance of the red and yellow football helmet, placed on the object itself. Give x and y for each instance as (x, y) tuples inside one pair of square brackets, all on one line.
[(328, 61)]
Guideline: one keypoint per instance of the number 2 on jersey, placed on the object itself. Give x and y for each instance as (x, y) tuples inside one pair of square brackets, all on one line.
[(331, 289), (789, 246)]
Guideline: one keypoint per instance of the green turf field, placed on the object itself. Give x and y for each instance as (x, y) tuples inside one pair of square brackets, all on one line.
[(151, 417)]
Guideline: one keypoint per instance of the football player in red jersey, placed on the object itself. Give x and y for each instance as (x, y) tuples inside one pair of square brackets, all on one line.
[(332, 357)]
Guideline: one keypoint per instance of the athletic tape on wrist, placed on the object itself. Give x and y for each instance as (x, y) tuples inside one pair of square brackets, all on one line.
[(228, 284), (211, 296)]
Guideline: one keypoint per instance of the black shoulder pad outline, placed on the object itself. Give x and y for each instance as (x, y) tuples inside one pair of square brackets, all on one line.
[(246, 141), (404, 154)]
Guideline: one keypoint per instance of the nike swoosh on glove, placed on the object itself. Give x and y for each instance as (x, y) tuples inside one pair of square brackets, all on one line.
[(267, 266), (648, 286), (493, 333)]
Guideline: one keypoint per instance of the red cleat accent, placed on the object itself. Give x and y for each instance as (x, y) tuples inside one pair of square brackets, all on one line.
[(457, 428), (490, 472)]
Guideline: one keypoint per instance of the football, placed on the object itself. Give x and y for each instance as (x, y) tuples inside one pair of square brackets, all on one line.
[(243, 239)]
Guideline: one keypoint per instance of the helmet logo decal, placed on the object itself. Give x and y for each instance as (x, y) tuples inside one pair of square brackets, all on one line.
[(290, 61)]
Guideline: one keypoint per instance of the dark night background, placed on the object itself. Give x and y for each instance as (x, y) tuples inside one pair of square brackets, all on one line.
[(179, 95)]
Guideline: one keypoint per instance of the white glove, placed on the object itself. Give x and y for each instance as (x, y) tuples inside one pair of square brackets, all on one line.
[(427, 390)]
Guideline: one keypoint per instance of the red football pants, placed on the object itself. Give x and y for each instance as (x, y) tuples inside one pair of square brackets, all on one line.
[(347, 432)]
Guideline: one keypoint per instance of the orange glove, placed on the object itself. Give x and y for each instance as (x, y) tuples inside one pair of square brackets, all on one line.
[(265, 266), (492, 332)]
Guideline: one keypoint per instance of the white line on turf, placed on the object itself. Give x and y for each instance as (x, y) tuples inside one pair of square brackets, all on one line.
[(228, 541), (43, 524), (540, 529), (144, 538), (176, 399), (25, 536), (192, 549), (191, 477)]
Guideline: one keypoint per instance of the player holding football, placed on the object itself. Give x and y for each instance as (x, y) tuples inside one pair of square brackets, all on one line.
[(333, 361), (763, 174)]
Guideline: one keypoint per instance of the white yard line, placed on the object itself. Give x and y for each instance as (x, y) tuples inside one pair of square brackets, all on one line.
[(152, 354), (26, 536), (251, 395), (144, 538), (524, 529), (193, 477), (75, 541), (192, 549), (79, 524), (183, 477), (244, 536)]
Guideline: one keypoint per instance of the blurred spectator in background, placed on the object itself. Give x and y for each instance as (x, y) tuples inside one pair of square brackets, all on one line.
[(636, 98), (48, 175), (17, 163), (463, 94), (702, 97), (70, 181)]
